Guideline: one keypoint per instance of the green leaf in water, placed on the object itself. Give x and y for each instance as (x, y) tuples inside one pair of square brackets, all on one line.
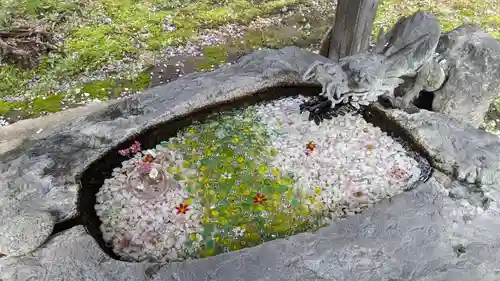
[(210, 244)]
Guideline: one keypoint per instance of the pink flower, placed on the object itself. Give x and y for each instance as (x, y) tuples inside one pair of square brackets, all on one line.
[(398, 173), (135, 147), (144, 167), (124, 152)]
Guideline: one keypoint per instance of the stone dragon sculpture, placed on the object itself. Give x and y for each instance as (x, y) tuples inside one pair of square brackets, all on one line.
[(407, 51)]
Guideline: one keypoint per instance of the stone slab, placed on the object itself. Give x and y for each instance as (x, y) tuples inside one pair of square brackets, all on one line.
[(14, 134), (454, 147)]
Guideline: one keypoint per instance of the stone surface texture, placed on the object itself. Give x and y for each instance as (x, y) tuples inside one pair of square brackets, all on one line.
[(11, 136), (442, 230), (30, 228), (473, 58), (422, 235), (454, 147)]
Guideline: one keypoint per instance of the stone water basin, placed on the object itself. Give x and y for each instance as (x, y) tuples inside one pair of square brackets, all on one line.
[(235, 176)]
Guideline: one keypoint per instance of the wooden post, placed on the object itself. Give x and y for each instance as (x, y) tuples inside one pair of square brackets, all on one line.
[(351, 32)]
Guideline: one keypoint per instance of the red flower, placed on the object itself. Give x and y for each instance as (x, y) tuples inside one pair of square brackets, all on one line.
[(149, 158), (259, 198), (311, 146), (182, 208), (135, 147)]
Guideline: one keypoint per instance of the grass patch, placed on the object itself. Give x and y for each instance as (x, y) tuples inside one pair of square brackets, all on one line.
[(109, 30), (212, 57)]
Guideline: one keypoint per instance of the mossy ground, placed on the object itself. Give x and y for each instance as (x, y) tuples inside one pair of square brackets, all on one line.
[(101, 32), (247, 201)]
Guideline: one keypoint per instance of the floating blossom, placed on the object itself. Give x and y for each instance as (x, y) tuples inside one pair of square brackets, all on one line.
[(135, 147), (310, 147), (369, 147), (238, 231), (151, 152), (124, 152), (182, 208), (144, 167), (398, 173), (153, 173), (259, 198), (149, 158)]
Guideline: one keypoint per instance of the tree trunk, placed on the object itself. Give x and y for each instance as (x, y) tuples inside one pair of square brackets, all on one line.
[(351, 32)]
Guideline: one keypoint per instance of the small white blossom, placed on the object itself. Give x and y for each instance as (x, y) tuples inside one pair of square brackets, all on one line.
[(153, 173), (238, 231), (151, 152)]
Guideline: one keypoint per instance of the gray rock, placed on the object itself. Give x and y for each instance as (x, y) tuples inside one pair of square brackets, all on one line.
[(25, 232), (41, 172), (456, 148), (422, 235), (72, 255), (473, 58)]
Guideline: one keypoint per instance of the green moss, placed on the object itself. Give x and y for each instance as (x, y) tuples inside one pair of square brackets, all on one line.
[(104, 43), (12, 79), (450, 15), (132, 29), (50, 103), (135, 28), (6, 106), (212, 57), (231, 155), (109, 89)]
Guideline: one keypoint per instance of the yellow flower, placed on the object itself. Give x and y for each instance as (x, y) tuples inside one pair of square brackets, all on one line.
[(317, 190), (193, 237), (263, 168), (276, 172)]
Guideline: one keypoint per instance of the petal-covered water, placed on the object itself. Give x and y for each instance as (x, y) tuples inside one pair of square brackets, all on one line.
[(244, 178)]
